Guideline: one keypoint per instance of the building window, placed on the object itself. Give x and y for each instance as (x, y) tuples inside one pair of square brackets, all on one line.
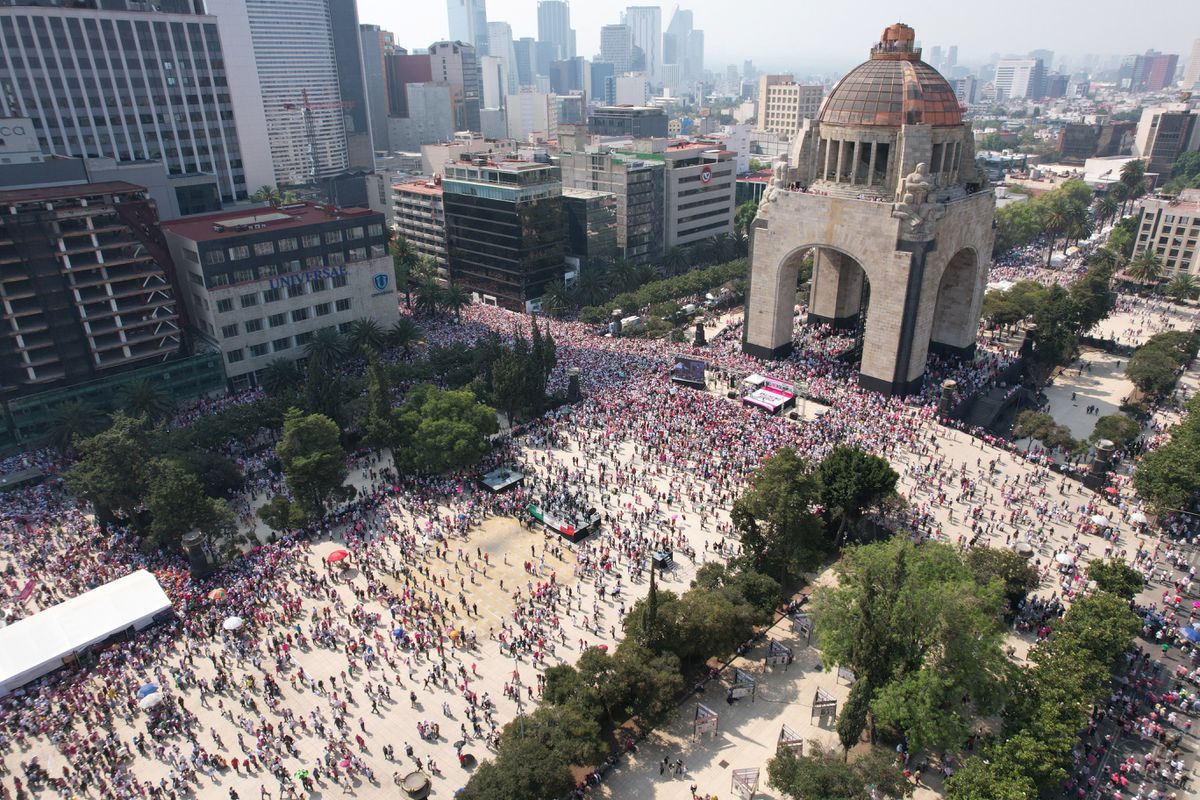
[(303, 338), (225, 305), (287, 245), (345, 327), (333, 237), (354, 233), (318, 285), (229, 331), (358, 254), (196, 279), (322, 309), (378, 251), (250, 300), (375, 230), (264, 248), (337, 258), (243, 275), (299, 314), (277, 320), (296, 290), (191, 255), (238, 252), (234, 356), (258, 350), (343, 304), (314, 262), (217, 281), (271, 295), (310, 240), (281, 344), (215, 257), (253, 325), (339, 281)]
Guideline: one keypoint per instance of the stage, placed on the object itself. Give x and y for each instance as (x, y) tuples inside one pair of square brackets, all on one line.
[(574, 527), (502, 478)]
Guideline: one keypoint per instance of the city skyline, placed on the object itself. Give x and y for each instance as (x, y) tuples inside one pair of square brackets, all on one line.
[(824, 38)]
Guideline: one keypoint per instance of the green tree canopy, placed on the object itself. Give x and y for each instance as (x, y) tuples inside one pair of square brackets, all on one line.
[(1120, 428), (111, 470), (1117, 577), (821, 774), (853, 481), (444, 430), (313, 460), (781, 532)]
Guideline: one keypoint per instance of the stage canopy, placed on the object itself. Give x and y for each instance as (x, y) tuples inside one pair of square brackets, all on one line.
[(37, 645)]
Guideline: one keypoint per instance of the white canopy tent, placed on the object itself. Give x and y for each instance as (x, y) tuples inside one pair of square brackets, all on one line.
[(37, 645)]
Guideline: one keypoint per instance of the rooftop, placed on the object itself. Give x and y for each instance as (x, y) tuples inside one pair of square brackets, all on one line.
[(241, 222), (428, 187), (585, 194), (72, 190)]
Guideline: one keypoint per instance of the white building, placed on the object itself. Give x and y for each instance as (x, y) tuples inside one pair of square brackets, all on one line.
[(494, 71), (645, 25), (737, 141), (616, 47), (783, 103), (532, 114), (500, 45), (1019, 78), (468, 23), (631, 90), (1191, 76)]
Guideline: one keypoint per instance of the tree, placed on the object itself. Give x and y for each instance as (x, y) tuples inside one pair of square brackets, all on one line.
[(404, 335), (444, 430), (111, 470), (326, 350), (267, 194), (454, 299), (1183, 286), (1043, 428), (780, 531), (1055, 337), (1016, 575), (73, 420), (1145, 268), (1133, 178), (383, 427), (429, 296), (743, 218), (144, 399), (281, 514), (1119, 428), (176, 503), (313, 461), (1107, 208), (510, 384), (1115, 576), (1106, 258), (853, 481), (365, 335), (983, 779), (1153, 370), (403, 260), (821, 774), (1169, 477), (323, 385), (917, 626), (675, 261), (280, 376), (622, 275), (557, 299)]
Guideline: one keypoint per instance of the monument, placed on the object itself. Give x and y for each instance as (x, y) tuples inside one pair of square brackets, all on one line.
[(884, 190)]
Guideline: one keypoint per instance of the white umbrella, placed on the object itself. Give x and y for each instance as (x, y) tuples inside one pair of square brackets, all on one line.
[(150, 701), (232, 624), (1025, 548), (1139, 518), (1065, 559), (1100, 520)]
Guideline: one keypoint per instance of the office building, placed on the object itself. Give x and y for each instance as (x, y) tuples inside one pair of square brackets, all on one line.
[(430, 119), (568, 76), (259, 283), (616, 47), (140, 104), (1045, 56), (291, 59), (400, 70), (1077, 142), (590, 219), (1164, 134), (572, 110), (500, 45), (554, 27), (631, 90), (420, 217), (468, 23), (455, 63), (964, 90), (683, 47), (1191, 76), (637, 184), (493, 73), (1019, 78), (1170, 229), (635, 122), (1153, 71), (375, 50), (645, 26), (698, 187), (602, 86), (525, 49), (352, 83), (783, 103), (532, 116), (504, 229)]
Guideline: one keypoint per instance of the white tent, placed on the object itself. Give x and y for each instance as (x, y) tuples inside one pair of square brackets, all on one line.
[(37, 645)]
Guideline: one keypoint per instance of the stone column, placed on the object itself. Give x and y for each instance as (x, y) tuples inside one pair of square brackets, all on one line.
[(837, 178), (836, 296), (871, 166), (854, 163), (825, 170)]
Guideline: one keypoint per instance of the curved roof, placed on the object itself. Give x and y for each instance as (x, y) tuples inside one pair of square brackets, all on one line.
[(892, 92)]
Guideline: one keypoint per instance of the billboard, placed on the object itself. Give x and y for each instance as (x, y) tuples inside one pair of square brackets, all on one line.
[(688, 370)]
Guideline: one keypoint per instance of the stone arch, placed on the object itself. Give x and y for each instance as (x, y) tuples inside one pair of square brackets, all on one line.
[(956, 310)]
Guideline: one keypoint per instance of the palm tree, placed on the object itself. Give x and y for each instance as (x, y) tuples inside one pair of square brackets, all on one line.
[(741, 244), (1183, 287), (429, 296), (1133, 178), (404, 334), (675, 261), (326, 350), (1056, 221), (280, 376), (402, 264), (1106, 258), (644, 273), (267, 194), (1146, 267), (74, 420), (144, 399), (622, 275), (589, 289), (454, 299), (1107, 208), (366, 334), (556, 299)]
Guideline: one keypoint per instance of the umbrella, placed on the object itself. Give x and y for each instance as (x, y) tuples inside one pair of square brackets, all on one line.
[(1024, 548), (345, 762), (336, 556), (1191, 634), (1100, 520), (1139, 517), (148, 689), (1065, 559), (301, 774), (217, 594), (150, 701), (1111, 490), (398, 632), (232, 623)]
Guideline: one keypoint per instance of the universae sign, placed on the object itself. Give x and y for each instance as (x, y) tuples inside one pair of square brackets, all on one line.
[(293, 278)]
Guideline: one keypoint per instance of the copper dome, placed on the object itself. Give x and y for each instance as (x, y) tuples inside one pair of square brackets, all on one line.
[(892, 91)]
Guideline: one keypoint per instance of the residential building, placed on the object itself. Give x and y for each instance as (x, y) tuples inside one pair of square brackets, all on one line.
[(1170, 229), (493, 73), (400, 70), (699, 188), (420, 217), (636, 122), (591, 227), (454, 63), (783, 103), (430, 119), (1019, 78), (1164, 134), (637, 185), (645, 26), (1191, 77), (531, 116), (140, 105), (468, 23), (375, 50), (1153, 71), (964, 89), (616, 47), (554, 27), (259, 283), (352, 83), (500, 45), (504, 229)]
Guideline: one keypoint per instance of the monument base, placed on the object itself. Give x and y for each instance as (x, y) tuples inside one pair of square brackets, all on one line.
[(891, 388)]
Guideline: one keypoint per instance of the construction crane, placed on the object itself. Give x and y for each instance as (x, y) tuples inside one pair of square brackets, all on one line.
[(310, 128)]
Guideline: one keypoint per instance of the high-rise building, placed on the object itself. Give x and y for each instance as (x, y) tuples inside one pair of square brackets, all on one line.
[(1164, 134), (783, 103), (637, 185), (531, 115), (568, 76), (603, 85), (400, 70), (136, 106), (1153, 71), (375, 50), (964, 90), (525, 49), (590, 218), (468, 23), (420, 217), (635, 122), (261, 282), (631, 90), (1019, 78), (699, 187), (554, 27), (493, 73), (677, 44), (1167, 228), (645, 26), (291, 45), (616, 47), (504, 229), (1191, 77), (500, 45), (352, 82), (1045, 56), (952, 56), (454, 63)]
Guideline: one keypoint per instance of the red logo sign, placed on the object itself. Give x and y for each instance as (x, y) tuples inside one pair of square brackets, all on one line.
[(706, 175)]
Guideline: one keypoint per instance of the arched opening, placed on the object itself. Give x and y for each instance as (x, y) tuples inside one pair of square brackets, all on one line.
[(954, 316), (840, 291)]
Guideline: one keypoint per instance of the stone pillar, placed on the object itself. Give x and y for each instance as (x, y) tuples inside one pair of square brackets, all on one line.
[(946, 401), (836, 294), (837, 178), (871, 166), (194, 545), (573, 393), (699, 339), (825, 169), (854, 163), (1102, 461)]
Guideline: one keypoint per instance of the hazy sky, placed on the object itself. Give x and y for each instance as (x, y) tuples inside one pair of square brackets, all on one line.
[(820, 34)]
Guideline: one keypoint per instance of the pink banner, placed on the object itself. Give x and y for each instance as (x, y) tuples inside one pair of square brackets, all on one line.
[(26, 591)]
